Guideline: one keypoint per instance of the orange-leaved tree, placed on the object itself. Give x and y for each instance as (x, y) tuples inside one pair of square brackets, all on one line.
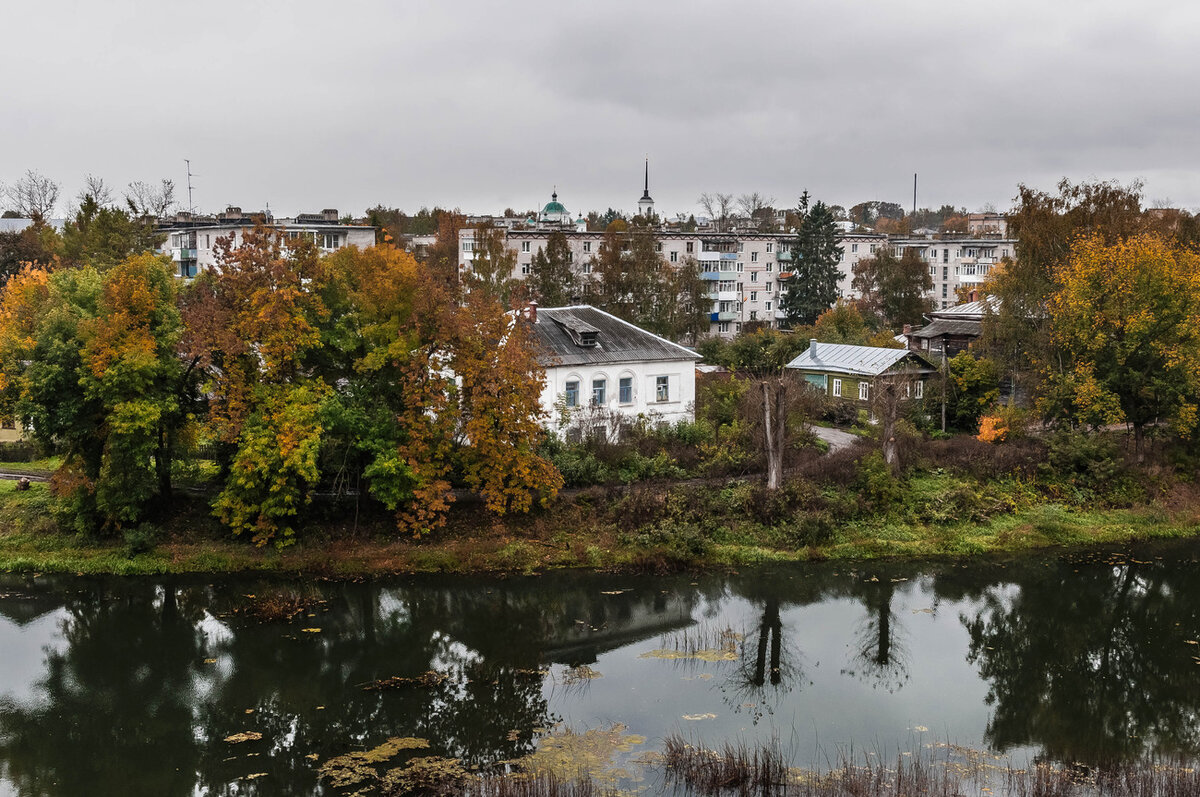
[(499, 385), (253, 323)]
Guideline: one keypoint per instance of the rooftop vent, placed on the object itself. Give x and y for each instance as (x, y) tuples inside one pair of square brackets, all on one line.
[(587, 338)]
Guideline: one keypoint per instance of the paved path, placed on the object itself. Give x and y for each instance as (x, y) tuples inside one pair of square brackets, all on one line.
[(836, 438)]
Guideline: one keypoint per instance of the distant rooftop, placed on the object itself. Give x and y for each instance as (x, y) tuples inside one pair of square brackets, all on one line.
[(586, 335), (843, 358)]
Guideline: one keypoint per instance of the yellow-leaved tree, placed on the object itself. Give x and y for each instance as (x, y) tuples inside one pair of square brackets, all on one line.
[(1125, 323)]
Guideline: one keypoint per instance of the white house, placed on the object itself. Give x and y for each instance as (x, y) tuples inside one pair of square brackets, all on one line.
[(602, 372)]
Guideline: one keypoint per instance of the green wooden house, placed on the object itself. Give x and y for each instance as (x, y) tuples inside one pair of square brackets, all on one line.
[(849, 372)]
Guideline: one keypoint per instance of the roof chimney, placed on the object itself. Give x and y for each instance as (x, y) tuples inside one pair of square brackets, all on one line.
[(908, 329), (812, 347), (531, 313)]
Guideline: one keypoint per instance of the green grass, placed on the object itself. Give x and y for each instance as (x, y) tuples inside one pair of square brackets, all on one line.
[(701, 528)]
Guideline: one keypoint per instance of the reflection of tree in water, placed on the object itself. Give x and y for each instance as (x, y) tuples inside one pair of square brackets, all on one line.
[(880, 655), (1093, 663), (114, 704), (149, 681)]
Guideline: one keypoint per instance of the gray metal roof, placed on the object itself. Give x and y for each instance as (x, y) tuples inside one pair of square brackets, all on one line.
[(562, 333), (843, 358), (945, 326), (971, 310)]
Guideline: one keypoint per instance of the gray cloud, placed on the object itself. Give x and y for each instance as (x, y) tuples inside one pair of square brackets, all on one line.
[(487, 105)]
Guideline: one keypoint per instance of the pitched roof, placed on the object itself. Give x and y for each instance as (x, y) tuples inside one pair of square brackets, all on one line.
[(972, 311), (842, 358), (563, 334), (946, 326)]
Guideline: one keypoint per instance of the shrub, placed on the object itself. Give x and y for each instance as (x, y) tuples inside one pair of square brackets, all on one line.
[(878, 487)]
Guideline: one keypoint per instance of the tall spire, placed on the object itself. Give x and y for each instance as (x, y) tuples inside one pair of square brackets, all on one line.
[(646, 192)]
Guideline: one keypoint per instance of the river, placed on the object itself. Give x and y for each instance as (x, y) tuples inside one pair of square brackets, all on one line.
[(132, 686)]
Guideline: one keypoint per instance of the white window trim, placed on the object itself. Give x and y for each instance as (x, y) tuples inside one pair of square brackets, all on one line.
[(837, 388)]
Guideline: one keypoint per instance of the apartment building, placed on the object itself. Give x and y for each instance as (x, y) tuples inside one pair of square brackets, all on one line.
[(956, 262), (191, 240)]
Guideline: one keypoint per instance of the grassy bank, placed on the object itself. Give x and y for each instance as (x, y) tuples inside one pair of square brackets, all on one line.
[(954, 498)]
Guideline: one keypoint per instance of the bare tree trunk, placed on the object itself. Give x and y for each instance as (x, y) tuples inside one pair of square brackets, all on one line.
[(771, 438)]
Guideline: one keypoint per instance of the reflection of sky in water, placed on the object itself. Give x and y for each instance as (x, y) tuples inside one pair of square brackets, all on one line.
[(23, 651), (822, 708), (876, 661)]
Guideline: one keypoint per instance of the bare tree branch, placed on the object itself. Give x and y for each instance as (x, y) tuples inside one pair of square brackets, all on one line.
[(33, 196), (147, 199)]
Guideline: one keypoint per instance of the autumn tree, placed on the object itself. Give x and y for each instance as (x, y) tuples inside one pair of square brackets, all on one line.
[(894, 289), (492, 264), (497, 400), (1125, 323), (845, 323), (89, 365), (102, 236), (1045, 225), (812, 288), (252, 322), (551, 276), (37, 245)]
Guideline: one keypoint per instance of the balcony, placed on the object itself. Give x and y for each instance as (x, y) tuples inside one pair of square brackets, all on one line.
[(728, 296), (727, 316), (710, 276), (184, 254)]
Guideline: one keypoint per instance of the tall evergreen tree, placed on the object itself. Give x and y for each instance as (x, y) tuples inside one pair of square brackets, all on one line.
[(551, 278), (812, 288)]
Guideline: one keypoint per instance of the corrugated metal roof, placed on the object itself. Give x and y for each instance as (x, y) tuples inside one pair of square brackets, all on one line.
[(560, 331), (970, 310), (944, 326), (859, 360)]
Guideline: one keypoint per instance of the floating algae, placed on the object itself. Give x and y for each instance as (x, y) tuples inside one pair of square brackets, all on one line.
[(595, 754), (353, 769)]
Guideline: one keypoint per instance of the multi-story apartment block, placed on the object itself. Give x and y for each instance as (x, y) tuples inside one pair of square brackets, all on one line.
[(191, 240), (747, 271), (956, 262)]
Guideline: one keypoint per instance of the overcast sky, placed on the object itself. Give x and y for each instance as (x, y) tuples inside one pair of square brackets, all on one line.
[(485, 105)]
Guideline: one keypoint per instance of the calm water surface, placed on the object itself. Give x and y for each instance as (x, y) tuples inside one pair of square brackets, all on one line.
[(130, 686)]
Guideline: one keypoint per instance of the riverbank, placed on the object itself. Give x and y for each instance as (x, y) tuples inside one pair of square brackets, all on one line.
[(930, 514)]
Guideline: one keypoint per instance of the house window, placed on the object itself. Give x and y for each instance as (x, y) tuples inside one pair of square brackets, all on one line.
[(770, 265), (662, 388), (768, 307), (770, 248), (587, 246), (625, 390), (331, 240), (754, 257), (524, 246), (674, 257), (725, 285), (920, 389), (689, 247), (770, 287), (524, 268), (723, 326), (741, 246), (862, 391), (740, 267), (943, 290), (754, 276), (753, 315), (206, 243), (754, 296), (468, 246), (587, 267), (572, 393), (658, 247), (945, 272), (853, 247), (837, 388), (598, 391), (872, 248)]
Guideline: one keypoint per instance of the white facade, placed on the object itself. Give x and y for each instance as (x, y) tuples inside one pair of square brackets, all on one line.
[(957, 262), (192, 247), (660, 392)]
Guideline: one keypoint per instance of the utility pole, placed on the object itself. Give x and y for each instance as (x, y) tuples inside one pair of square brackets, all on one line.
[(191, 207)]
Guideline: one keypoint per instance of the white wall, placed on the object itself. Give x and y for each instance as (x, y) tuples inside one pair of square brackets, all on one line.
[(679, 406)]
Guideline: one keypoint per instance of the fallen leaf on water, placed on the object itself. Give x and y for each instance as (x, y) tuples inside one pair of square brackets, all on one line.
[(694, 717), (249, 711), (311, 756), (255, 775), (311, 630), (244, 736), (920, 729), (513, 735), (210, 661)]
